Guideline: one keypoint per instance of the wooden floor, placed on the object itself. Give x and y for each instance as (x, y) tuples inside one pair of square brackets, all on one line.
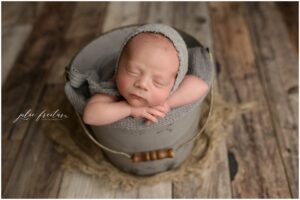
[(255, 45)]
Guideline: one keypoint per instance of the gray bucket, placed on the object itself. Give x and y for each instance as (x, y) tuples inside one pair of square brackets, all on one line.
[(129, 144)]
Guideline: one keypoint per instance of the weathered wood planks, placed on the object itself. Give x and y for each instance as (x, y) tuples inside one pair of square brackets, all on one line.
[(13, 41), (79, 185), (17, 22), (160, 190), (37, 172), (252, 144), (16, 13), (25, 83), (289, 11), (86, 24), (121, 14), (277, 64), (32, 65), (194, 19)]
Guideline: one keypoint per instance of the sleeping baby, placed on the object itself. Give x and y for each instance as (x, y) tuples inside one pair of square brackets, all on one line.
[(151, 77)]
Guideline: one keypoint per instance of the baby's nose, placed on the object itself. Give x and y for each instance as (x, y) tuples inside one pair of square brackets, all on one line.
[(142, 83)]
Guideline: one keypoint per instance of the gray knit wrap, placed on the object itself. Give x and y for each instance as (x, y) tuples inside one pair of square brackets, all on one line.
[(174, 37)]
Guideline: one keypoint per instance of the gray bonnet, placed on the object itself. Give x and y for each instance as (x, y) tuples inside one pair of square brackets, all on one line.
[(174, 37)]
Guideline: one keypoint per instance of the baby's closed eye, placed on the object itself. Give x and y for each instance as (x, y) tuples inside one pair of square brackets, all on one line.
[(159, 82), (133, 72)]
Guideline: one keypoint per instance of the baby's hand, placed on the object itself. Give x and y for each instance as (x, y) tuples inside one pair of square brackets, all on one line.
[(149, 113), (164, 108)]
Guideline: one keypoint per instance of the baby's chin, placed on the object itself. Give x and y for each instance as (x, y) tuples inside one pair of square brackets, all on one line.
[(141, 102), (137, 103)]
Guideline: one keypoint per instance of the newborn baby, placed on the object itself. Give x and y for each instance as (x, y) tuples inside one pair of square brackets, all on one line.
[(146, 73)]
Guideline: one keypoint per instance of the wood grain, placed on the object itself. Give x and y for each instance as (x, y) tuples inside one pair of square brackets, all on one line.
[(86, 19), (32, 65), (194, 19), (86, 23), (25, 84), (13, 40), (260, 171), (290, 12), (20, 13), (79, 185), (36, 172), (160, 190), (17, 22), (277, 64), (215, 182), (121, 14)]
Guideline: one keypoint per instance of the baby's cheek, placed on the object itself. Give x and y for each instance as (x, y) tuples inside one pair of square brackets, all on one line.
[(159, 97), (122, 84)]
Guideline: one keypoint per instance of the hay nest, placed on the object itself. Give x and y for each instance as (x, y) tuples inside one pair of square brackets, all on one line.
[(84, 156)]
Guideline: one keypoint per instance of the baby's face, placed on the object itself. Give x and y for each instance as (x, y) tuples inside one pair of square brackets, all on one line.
[(147, 70)]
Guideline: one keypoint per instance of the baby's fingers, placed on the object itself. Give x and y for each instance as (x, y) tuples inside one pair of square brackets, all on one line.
[(156, 112), (162, 108), (150, 117)]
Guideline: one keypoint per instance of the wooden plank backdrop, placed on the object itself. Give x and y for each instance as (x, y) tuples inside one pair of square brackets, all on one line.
[(254, 45)]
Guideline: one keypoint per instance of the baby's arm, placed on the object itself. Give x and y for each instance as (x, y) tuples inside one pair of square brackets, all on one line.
[(105, 109), (190, 90)]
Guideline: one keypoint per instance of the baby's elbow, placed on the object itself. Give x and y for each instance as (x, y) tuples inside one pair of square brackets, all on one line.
[(200, 86), (91, 117), (88, 117), (203, 88)]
